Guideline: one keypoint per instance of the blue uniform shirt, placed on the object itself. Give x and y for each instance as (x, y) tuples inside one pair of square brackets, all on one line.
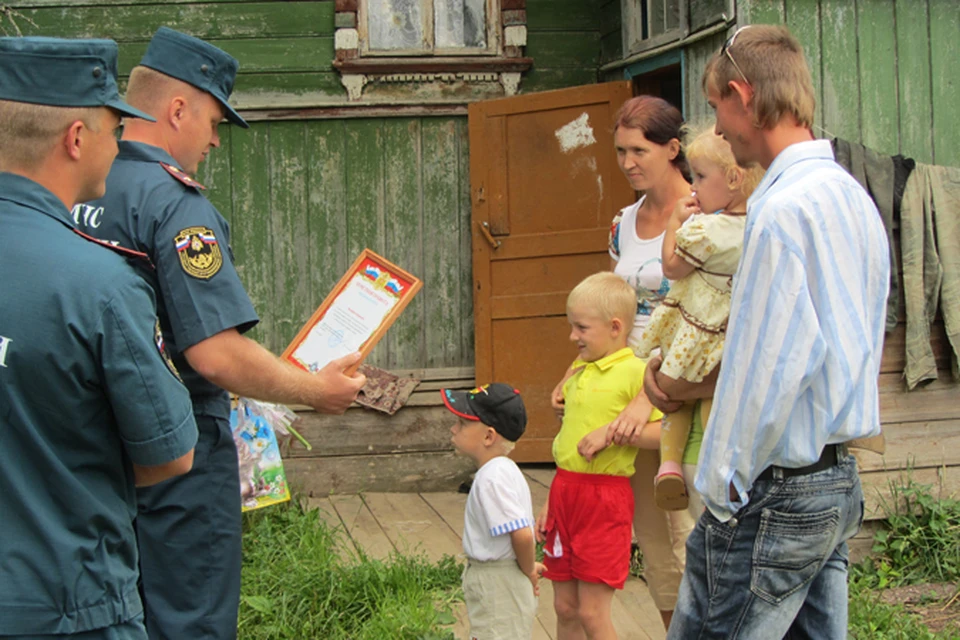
[(151, 206), (84, 391)]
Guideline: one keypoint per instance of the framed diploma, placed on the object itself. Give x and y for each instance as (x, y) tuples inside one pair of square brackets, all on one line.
[(362, 306)]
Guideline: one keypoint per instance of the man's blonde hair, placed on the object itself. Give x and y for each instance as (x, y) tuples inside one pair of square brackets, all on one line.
[(150, 90), (772, 60), (607, 295), (29, 132), (702, 143)]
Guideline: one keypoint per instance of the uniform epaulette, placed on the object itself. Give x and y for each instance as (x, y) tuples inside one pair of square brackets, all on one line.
[(139, 256), (181, 176)]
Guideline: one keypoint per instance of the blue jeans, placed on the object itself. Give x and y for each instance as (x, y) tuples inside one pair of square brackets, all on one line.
[(778, 568)]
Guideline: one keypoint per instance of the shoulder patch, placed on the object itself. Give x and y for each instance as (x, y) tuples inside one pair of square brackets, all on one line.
[(181, 176), (139, 256), (161, 347), (199, 252)]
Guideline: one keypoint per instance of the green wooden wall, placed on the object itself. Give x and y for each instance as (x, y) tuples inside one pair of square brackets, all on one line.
[(305, 196), (885, 70)]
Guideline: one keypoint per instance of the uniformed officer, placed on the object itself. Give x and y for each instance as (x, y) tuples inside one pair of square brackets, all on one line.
[(88, 405), (189, 528)]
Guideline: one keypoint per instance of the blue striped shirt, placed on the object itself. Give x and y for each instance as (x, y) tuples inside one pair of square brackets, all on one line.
[(803, 343)]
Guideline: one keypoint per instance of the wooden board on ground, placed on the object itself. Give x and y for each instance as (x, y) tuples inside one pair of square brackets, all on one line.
[(412, 526), (450, 507), (362, 527), (402, 473), (328, 514)]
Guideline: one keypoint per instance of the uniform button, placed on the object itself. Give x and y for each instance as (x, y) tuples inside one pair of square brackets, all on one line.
[(204, 68), (97, 72)]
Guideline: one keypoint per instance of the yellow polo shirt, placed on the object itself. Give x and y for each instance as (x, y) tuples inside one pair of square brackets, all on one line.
[(594, 397)]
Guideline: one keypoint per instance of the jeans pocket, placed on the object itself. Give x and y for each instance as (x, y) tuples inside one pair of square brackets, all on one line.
[(790, 549), (719, 536)]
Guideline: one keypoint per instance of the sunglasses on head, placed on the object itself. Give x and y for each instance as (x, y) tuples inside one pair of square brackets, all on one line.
[(726, 51)]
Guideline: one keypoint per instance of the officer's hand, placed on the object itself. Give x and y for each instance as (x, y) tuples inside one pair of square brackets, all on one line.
[(336, 390)]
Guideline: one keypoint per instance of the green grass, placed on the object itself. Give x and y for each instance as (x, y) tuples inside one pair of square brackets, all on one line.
[(295, 585), (919, 544)]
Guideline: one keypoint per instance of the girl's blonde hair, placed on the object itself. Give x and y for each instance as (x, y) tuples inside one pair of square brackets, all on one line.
[(607, 295), (701, 141)]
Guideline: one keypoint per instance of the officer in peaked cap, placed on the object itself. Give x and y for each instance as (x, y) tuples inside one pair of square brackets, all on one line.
[(88, 403), (189, 529)]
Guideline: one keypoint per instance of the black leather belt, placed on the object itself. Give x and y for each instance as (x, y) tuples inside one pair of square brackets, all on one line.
[(831, 456)]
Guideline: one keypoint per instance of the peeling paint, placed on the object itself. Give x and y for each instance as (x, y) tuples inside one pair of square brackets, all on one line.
[(576, 134)]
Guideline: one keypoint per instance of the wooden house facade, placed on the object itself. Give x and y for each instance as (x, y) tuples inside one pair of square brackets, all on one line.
[(360, 138)]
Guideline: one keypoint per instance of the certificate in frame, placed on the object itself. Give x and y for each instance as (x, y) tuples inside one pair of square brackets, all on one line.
[(369, 298)]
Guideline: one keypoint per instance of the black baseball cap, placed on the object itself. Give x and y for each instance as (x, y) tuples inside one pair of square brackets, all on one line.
[(496, 405)]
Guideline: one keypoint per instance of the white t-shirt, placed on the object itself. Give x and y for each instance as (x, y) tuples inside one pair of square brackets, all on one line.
[(639, 262), (499, 503)]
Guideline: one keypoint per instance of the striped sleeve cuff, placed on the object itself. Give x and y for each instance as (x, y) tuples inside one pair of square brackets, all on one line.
[(508, 527)]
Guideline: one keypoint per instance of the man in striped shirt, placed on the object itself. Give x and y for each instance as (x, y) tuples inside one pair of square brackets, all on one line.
[(768, 558)]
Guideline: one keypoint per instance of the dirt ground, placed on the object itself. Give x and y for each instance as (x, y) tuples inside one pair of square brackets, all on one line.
[(937, 605)]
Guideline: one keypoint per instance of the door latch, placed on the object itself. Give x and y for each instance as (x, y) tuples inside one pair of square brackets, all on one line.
[(485, 230)]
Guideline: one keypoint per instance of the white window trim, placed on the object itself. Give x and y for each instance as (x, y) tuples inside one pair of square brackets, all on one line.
[(494, 39)]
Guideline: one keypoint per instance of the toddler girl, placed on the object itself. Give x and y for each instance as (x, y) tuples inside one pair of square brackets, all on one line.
[(701, 250)]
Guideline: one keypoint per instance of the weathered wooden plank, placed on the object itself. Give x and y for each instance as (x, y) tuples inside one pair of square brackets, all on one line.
[(636, 598), (362, 527), (935, 401), (913, 66), (412, 526), (546, 614), (328, 514), (406, 234), (441, 184), (944, 51), (271, 90), (400, 473), (363, 167), (559, 15), (542, 474), (207, 20), (449, 506), (274, 54), (803, 20), (364, 431), (760, 12), (21, 4), (917, 445), (696, 109), (326, 201), (878, 496), (539, 632), (249, 160), (879, 105), (465, 246), (841, 86), (293, 301), (214, 174)]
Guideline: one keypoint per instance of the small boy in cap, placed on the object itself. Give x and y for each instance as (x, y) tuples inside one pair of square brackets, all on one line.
[(500, 583)]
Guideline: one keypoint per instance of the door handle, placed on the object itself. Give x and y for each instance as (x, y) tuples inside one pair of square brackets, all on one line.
[(485, 230)]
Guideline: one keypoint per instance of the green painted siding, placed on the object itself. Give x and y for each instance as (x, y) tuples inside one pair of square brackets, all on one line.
[(563, 38), (884, 70), (305, 197)]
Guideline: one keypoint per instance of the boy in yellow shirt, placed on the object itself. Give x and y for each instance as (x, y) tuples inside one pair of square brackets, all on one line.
[(586, 523)]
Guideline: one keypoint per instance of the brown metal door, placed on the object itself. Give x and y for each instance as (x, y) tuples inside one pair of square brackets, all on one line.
[(545, 185)]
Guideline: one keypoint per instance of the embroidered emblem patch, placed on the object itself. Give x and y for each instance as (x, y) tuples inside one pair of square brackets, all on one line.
[(158, 339), (199, 252)]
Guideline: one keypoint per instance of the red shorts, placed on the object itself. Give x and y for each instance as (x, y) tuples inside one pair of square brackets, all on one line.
[(589, 528)]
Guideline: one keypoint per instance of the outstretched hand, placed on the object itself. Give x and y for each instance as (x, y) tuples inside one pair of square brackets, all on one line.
[(335, 389)]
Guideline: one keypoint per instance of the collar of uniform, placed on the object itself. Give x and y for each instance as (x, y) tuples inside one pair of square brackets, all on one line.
[(607, 361), (34, 195), (797, 152), (143, 152)]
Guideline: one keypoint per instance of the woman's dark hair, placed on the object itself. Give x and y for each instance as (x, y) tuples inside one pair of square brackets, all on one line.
[(659, 121)]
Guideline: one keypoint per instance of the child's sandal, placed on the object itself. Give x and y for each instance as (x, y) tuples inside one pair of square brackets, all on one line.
[(670, 492)]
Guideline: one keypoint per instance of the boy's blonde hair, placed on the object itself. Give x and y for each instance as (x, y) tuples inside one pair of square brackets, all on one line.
[(608, 295), (702, 142), (772, 60)]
